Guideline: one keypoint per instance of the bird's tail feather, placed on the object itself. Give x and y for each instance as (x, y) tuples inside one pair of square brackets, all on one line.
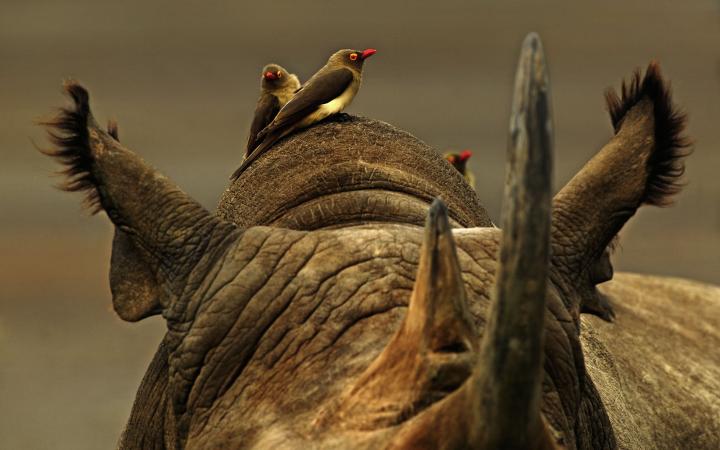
[(269, 141)]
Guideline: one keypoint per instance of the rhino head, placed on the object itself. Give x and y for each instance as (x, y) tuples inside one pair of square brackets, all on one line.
[(323, 306)]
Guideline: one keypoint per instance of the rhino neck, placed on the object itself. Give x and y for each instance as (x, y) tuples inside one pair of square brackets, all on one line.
[(348, 171)]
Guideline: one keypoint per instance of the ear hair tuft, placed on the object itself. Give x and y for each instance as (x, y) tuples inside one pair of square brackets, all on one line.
[(665, 165), (68, 132), (112, 129)]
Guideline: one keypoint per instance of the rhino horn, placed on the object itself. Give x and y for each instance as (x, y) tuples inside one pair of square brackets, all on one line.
[(438, 318), (499, 404), (160, 232), (506, 384), (431, 352)]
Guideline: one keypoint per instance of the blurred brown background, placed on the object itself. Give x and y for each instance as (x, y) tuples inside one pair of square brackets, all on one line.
[(182, 80)]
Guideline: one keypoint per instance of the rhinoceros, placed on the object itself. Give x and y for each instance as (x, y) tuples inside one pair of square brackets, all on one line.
[(351, 291)]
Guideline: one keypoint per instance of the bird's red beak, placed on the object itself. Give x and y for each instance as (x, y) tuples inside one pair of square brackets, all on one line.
[(465, 155), (270, 76), (368, 52)]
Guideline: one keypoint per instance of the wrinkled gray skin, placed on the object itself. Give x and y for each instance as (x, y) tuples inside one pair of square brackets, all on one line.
[(287, 310)]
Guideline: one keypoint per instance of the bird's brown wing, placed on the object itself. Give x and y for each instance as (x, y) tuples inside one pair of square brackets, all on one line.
[(267, 108), (323, 88)]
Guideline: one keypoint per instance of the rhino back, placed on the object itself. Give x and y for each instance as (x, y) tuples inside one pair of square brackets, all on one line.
[(657, 367)]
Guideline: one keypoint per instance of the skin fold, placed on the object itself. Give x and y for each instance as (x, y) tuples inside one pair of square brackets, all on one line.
[(350, 291)]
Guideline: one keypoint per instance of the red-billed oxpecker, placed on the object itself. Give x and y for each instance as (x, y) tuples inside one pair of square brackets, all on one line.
[(277, 88), (328, 92), (459, 161)]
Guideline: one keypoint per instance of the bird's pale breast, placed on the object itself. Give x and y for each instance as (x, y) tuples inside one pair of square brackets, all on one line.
[(336, 105)]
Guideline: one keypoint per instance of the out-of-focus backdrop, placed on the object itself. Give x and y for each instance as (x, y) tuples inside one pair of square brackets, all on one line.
[(182, 79)]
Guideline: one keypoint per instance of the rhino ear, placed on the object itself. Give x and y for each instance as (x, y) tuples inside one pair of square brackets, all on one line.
[(161, 232), (135, 290), (641, 165)]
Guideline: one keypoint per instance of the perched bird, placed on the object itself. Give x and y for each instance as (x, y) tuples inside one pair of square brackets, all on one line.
[(459, 161), (277, 88), (328, 92)]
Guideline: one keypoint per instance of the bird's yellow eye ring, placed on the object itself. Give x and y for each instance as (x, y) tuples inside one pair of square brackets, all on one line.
[(279, 73), (353, 56)]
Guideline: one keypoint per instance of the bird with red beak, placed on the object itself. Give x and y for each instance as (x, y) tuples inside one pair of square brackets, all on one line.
[(277, 88), (328, 92), (459, 162)]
